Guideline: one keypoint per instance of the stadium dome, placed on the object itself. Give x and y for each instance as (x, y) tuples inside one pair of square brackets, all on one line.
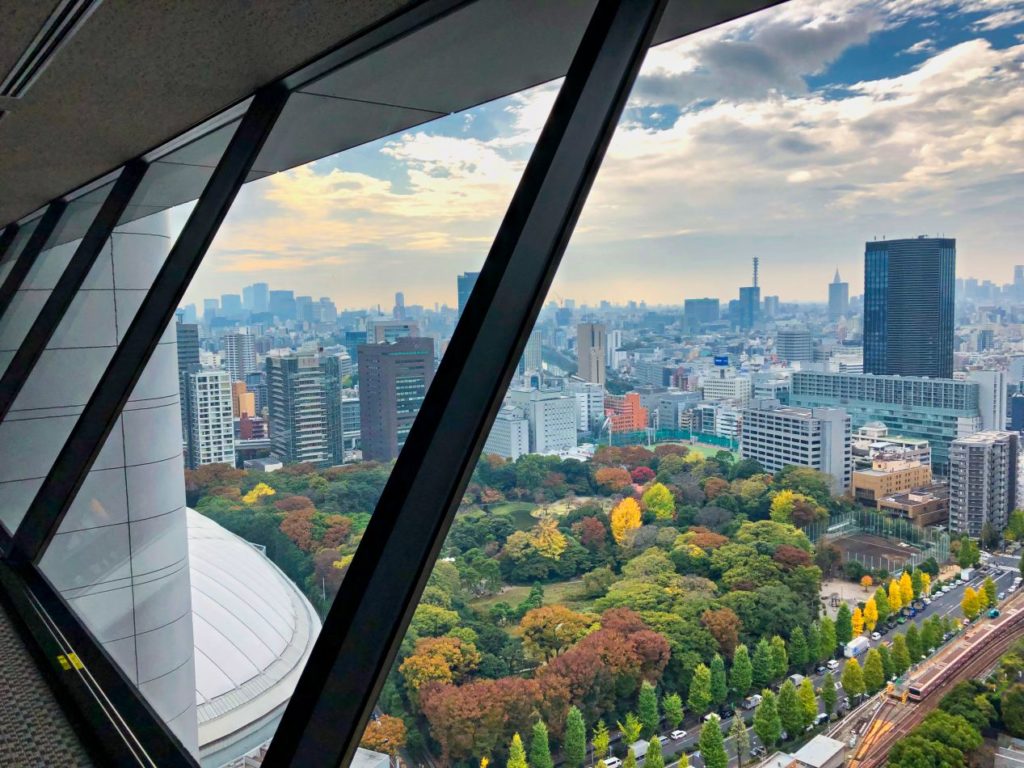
[(253, 630)]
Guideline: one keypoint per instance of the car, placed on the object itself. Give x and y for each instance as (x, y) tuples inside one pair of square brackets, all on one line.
[(876, 636), (833, 665), (612, 762), (1001, 596), (946, 635), (946, 589), (821, 718), (901, 620), (678, 734), (966, 622), (758, 751), (1012, 589), (927, 601), (820, 671), (839, 686)]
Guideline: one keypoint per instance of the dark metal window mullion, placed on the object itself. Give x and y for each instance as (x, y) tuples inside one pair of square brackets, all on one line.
[(338, 689), (27, 257), (7, 238), (70, 281), (79, 452)]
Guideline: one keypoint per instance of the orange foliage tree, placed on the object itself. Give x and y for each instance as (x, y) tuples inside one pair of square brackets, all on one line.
[(612, 479), (385, 734), (551, 629)]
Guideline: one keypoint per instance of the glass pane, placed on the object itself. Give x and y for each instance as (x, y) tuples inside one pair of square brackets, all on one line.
[(686, 486)]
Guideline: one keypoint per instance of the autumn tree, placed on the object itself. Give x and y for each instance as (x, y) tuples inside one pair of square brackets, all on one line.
[(895, 597), (384, 734), (725, 626), (625, 518), (857, 622), (549, 630), (575, 747), (516, 753), (844, 624), (647, 710), (871, 614), (767, 724), (659, 501), (438, 659), (601, 740), (971, 604), (741, 675), (906, 589), (540, 749), (259, 491), (866, 581), (630, 761), (926, 583), (700, 697), (853, 679), (612, 479), (630, 729), (547, 539)]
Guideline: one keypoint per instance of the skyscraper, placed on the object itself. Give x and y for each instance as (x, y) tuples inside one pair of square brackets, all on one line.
[(260, 297), (749, 307), (696, 312), (211, 437), (590, 351), (238, 353), (982, 481), (531, 361), (393, 380), (908, 306), (188, 361), (304, 394), (466, 281), (282, 304), (838, 297), (794, 345)]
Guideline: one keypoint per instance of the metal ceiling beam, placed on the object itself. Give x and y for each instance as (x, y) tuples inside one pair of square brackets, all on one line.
[(36, 242), (338, 689)]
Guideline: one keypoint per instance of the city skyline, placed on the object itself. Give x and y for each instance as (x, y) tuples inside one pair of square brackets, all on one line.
[(790, 112)]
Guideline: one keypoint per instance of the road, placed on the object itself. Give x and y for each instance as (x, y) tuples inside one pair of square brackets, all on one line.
[(1002, 569)]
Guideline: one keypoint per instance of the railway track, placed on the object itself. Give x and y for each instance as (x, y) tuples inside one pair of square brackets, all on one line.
[(894, 719)]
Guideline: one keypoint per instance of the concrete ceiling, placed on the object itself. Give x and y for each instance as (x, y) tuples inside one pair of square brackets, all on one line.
[(138, 74)]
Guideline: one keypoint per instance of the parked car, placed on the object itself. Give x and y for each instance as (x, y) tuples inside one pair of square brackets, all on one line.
[(1001, 596), (821, 718), (820, 671), (612, 762), (876, 636), (678, 734), (901, 620), (758, 751), (833, 665)]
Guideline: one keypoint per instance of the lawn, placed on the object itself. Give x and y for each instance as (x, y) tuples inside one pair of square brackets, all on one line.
[(562, 592), (520, 511)]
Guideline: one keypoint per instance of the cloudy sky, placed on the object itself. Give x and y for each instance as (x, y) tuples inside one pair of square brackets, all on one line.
[(794, 134)]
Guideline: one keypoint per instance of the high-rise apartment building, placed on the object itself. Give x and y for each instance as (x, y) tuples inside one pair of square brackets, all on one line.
[(908, 306), (211, 438), (393, 380), (465, 283), (778, 436), (531, 361), (982, 481), (243, 402), (510, 435), (552, 418), (591, 346), (697, 312), (304, 396), (838, 297), (991, 398), (794, 345), (350, 422), (936, 410), (238, 354)]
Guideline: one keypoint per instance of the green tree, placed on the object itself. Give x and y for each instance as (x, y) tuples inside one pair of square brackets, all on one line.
[(951, 730), (882, 604), (844, 624), (740, 739), (798, 656), (808, 701), (630, 761), (1012, 707), (887, 667), (874, 672), (828, 693), (601, 740), (741, 676), (790, 712), (712, 744), (673, 706), (540, 749), (829, 639), (915, 583), (780, 659), (913, 751), (989, 590), (700, 698), (1015, 525), (931, 633), (516, 753), (575, 738), (914, 647), (719, 686), (767, 724), (654, 758), (659, 501), (900, 655), (762, 665), (969, 553), (647, 708), (630, 729), (853, 678), (814, 643)]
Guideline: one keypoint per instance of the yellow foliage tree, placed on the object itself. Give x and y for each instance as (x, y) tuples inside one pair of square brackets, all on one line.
[(866, 581), (858, 622), (870, 614), (971, 604), (548, 540), (906, 589), (926, 584), (625, 518), (259, 491), (895, 597)]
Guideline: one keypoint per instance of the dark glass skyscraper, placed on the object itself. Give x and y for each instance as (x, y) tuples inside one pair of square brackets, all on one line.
[(908, 306), (466, 281)]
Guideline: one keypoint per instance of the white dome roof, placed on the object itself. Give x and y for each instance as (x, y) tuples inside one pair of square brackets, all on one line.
[(253, 630)]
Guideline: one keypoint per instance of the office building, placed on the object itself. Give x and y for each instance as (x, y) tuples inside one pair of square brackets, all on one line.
[(873, 442), (591, 346), (231, 305), (770, 387), (794, 345), (256, 297), (936, 410), (393, 380), (771, 306), (238, 354), (532, 360), (256, 383), (510, 435), (1017, 412), (589, 403), (552, 418), (382, 330), (887, 477), (211, 435), (673, 409), (908, 307), (187, 335), (625, 412), (723, 384), (243, 402), (304, 309), (653, 373), (991, 398), (281, 304), (211, 308), (749, 308), (350, 422), (779, 436), (465, 283), (304, 399), (982, 482), (838, 298), (928, 505), (698, 312)]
